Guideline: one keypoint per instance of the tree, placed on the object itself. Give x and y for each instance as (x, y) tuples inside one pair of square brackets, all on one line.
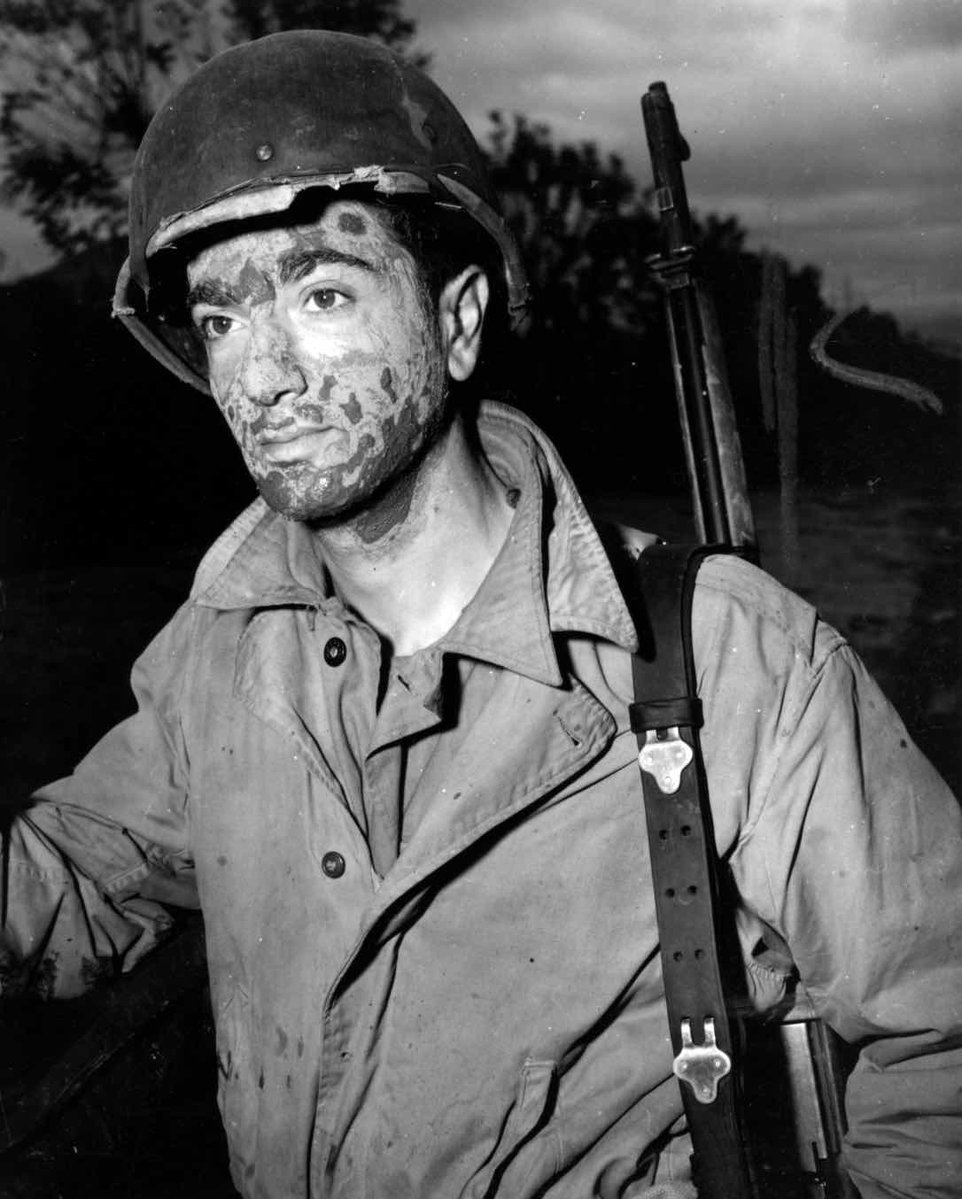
[(584, 232), (596, 356), (83, 78), (580, 222), (378, 19)]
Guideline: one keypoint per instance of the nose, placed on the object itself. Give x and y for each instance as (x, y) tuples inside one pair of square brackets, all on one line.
[(271, 371)]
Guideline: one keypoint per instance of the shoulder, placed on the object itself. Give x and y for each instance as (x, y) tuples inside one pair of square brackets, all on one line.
[(779, 686), (169, 652), (777, 682), (739, 605), (758, 647), (226, 548)]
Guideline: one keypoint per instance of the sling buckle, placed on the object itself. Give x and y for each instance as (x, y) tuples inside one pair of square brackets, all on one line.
[(701, 1066), (664, 756)]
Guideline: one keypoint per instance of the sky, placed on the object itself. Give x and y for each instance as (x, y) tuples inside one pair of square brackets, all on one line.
[(831, 128)]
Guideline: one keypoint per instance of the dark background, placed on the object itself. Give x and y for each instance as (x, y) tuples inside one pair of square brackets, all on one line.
[(115, 479)]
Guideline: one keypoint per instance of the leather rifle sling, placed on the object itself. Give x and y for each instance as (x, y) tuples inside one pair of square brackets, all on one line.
[(666, 716)]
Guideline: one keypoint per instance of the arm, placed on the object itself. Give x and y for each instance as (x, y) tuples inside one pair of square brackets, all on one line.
[(850, 845), (873, 914), (85, 866)]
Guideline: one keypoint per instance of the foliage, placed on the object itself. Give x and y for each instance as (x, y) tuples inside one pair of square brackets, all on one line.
[(584, 232), (596, 355), (578, 220), (379, 19), (83, 77)]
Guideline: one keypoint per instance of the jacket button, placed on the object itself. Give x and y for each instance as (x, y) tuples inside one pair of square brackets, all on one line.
[(335, 651), (332, 864)]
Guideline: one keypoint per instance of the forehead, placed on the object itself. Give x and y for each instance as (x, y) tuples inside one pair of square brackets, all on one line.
[(348, 232)]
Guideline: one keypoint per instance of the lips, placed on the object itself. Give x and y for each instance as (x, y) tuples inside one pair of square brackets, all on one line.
[(285, 433), (294, 444)]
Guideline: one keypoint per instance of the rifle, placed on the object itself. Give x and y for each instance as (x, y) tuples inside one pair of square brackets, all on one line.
[(723, 511), (793, 1069)]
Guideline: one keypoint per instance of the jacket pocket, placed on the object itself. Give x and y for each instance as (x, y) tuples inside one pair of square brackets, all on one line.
[(528, 1152)]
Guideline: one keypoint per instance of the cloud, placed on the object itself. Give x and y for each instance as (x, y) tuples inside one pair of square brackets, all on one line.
[(904, 26), (829, 126)]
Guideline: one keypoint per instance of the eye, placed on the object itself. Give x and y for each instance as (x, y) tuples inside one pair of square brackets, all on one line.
[(324, 299), (215, 326)]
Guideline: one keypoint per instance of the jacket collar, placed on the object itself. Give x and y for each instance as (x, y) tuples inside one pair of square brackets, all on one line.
[(552, 574)]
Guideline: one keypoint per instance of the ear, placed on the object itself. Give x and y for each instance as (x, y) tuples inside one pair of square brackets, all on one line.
[(461, 309)]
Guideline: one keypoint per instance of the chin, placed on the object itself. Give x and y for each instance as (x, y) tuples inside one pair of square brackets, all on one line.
[(288, 500), (282, 494)]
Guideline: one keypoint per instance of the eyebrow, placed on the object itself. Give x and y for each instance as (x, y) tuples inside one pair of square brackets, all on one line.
[(295, 264), (213, 292)]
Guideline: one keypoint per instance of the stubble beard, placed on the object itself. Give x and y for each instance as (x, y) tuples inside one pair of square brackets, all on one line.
[(372, 517), (304, 492)]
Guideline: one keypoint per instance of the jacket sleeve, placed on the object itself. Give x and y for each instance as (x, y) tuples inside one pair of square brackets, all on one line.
[(851, 846), (87, 867)]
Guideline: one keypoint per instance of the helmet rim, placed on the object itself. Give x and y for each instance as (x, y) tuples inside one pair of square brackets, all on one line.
[(237, 166)]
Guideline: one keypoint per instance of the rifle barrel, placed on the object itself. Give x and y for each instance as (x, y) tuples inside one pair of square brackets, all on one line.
[(709, 431)]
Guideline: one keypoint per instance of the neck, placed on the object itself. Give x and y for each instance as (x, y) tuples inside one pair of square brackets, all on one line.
[(409, 564)]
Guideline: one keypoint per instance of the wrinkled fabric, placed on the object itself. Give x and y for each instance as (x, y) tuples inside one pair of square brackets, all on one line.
[(425, 884)]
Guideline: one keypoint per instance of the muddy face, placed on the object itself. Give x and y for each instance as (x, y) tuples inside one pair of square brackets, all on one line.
[(324, 358)]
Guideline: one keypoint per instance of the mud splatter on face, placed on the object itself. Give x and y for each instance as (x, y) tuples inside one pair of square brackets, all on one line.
[(387, 384), (255, 287), (352, 223), (330, 375), (388, 511), (352, 409), (314, 412)]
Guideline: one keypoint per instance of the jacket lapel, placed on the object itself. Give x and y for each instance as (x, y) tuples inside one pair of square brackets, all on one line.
[(533, 741), (277, 676)]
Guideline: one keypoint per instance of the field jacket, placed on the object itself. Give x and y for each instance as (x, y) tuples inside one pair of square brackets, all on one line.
[(484, 1014)]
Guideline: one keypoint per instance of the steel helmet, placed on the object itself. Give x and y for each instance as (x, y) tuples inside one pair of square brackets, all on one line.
[(260, 123)]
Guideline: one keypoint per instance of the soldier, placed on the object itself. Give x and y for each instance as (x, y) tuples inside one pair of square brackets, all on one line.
[(384, 744)]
